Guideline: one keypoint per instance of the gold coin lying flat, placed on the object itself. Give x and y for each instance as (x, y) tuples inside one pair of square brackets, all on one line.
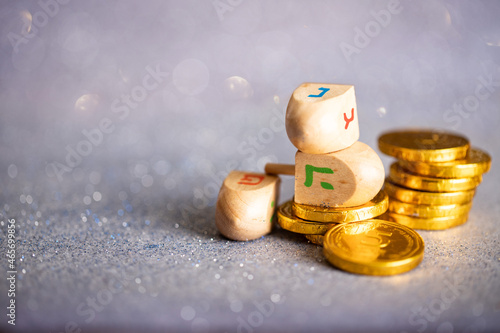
[(435, 223), (375, 207), (401, 177), (373, 247), (428, 211), (315, 239), (474, 164), (294, 224), (427, 198), (424, 145)]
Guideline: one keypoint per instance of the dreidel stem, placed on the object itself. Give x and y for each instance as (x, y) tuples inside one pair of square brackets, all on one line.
[(280, 169)]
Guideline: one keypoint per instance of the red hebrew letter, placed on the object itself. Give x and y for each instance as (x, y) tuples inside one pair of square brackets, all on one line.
[(249, 179)]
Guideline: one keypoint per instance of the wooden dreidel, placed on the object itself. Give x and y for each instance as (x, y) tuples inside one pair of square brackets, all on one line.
[(322, 118), (346, 178), (246, 205)]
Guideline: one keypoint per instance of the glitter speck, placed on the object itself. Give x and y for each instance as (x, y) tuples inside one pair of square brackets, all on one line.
[(381, 111), (191, 77), (12, 171), (237, 87), (27, 19), (147, 181), (188, 313), (87, 103), (97, 196)]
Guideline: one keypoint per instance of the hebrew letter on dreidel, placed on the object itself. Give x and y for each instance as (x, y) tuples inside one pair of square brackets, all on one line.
[(310, 170), (249, 179), (348, 120), (323, 91)]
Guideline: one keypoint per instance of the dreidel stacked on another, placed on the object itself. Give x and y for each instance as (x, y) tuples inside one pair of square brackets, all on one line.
[(338, 179)]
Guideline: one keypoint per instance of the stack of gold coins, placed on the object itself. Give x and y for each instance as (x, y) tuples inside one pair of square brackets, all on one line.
[(432, 185), (316, 220), (370, 247)]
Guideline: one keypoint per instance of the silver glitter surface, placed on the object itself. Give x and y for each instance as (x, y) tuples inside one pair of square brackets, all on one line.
[(120, 119)]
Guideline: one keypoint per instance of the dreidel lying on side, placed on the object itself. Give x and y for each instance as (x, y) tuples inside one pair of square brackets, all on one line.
[(346, 178), (246, 205)]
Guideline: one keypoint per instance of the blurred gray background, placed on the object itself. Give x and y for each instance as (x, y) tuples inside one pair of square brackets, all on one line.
[(120, 119)]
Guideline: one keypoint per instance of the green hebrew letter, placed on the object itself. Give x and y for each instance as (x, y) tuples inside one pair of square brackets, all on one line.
[(310, 174)]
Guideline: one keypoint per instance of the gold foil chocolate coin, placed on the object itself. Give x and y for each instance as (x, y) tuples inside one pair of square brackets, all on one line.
[(474, 164), (294, 224), (435, 223), (373, 208), (428, 211), (401, 177), (315, 239), (427, 198), (373, 247), (424, 145)]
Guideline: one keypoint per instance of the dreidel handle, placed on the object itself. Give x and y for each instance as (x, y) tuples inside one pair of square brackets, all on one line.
[(280, 169)]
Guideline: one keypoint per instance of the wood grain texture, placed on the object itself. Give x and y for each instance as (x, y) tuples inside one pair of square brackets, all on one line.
[(346, 178), (320, 125), (246, 205), (280, 169)]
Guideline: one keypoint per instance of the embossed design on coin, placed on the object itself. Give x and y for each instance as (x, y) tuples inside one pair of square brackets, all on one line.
[(424, 145), (373, 247)]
